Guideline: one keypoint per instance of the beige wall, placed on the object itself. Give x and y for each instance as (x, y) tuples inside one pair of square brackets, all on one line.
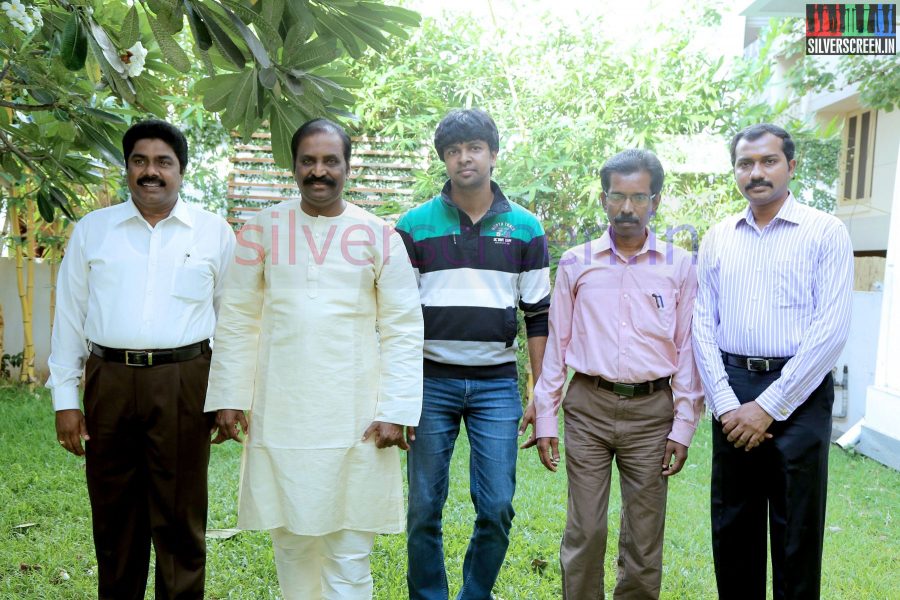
[(13, 338)]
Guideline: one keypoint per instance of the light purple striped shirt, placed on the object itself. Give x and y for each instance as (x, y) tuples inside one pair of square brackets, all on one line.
[(783, 291)]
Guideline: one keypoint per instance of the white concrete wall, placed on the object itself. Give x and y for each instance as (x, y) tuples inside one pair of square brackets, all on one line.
[(881, 432), (859, 357), (13, 338)]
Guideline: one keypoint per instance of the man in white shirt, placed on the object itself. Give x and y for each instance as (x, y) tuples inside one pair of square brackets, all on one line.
[(320, 340), (136, 305)]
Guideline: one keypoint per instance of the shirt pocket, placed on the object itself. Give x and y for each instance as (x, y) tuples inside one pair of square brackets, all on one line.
[(193, 283), (793, 283), (654, 314)]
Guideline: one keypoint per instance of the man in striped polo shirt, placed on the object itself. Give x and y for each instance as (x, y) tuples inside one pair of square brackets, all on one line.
[(479, 258), (771, 318)]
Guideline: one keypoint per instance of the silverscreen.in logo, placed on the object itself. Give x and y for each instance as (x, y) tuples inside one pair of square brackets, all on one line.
[(851, 29)]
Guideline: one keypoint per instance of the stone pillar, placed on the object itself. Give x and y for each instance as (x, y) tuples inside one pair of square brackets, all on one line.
[(881, 432)]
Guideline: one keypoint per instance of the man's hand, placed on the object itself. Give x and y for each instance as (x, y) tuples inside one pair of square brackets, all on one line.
[(71, 430), (227, 421), (746, 427), (548, 451), (410, 434), (528, 418), (386, 435), (676, 451)]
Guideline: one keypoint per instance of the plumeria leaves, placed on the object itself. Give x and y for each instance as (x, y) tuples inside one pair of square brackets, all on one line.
[(86, 74), (74, 43), (131, 28)]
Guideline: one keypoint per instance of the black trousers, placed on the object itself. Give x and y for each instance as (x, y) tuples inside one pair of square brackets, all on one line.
[(785, 480), (146, 475)]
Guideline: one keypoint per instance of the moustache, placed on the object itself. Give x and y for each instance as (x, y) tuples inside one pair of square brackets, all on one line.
[(151, 179), (311, 179), (622, 220), (756, 184)]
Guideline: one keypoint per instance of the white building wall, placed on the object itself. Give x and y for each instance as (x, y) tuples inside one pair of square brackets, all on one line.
[(869, 223), (859, 356), (881, 431)]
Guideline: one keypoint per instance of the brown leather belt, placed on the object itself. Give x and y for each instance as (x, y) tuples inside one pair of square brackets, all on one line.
[(754, 363), (149, 358), (633, 389)]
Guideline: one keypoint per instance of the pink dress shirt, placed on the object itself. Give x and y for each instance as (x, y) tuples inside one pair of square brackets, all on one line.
[(626, 320)]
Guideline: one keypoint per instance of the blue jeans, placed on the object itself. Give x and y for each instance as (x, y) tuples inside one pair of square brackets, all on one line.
[(491, 409)]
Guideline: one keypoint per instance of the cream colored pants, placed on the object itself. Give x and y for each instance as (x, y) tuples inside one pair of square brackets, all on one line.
[(324, 567)]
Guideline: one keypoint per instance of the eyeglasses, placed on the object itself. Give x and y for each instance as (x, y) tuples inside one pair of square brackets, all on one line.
[(636, 199)]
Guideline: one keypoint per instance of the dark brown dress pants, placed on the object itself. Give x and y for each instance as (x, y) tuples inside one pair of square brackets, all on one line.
[(146, 475)]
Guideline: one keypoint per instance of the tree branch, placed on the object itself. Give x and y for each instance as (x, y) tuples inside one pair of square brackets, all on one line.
[(27, 107), (22, 156)]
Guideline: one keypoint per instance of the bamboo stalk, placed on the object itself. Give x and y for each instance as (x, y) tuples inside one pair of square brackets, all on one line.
[(31, 249), (1, 339), (54, 256), (54, 269), (20, 270)]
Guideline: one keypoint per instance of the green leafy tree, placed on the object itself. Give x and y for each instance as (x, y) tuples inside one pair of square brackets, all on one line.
[(877, 78), (564, 100), (74, 72)]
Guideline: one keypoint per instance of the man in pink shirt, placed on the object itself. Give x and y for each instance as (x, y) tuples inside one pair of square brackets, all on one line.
[(620, 317)]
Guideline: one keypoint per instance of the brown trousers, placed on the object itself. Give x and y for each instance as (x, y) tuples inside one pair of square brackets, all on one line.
[(601, 426), (146, 475)]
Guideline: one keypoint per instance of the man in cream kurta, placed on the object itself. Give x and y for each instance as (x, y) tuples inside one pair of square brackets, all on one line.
[(320, 339)]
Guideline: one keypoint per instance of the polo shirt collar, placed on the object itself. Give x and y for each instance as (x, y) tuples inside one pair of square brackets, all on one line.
[(498, 205)]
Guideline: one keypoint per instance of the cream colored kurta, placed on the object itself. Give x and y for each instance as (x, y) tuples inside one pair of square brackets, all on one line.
[(319, 334)]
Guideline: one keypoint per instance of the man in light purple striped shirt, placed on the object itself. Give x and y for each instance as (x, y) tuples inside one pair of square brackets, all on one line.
[(771, 318)]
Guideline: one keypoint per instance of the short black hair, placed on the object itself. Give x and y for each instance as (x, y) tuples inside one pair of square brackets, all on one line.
[(154, 129), (465, 126), (754, 132), (631, 161), (320, 125)]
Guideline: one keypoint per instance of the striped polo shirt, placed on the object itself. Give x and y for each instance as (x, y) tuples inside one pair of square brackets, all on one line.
[(472, 278)]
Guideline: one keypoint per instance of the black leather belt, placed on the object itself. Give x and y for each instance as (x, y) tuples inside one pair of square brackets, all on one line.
[(633, 389), (149, 358), (754, 363)]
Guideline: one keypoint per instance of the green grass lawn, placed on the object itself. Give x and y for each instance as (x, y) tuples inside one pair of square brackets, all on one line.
[(54, 558)]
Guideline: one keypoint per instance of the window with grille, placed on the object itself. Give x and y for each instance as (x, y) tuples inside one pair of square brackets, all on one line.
[(857, 154)]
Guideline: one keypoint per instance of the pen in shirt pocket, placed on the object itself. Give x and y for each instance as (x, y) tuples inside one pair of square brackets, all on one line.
[(659, 301)]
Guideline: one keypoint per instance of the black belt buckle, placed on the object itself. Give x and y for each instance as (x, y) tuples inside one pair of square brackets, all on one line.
[(623, 389), (758, 364), (138, 358)]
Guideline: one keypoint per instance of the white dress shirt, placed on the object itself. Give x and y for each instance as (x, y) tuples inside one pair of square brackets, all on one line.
[(776, 292), (125, 284)]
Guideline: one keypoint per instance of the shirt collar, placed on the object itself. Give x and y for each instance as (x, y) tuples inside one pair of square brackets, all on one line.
[(130, 211), (790, 211), (498, 205), (605, 243)]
